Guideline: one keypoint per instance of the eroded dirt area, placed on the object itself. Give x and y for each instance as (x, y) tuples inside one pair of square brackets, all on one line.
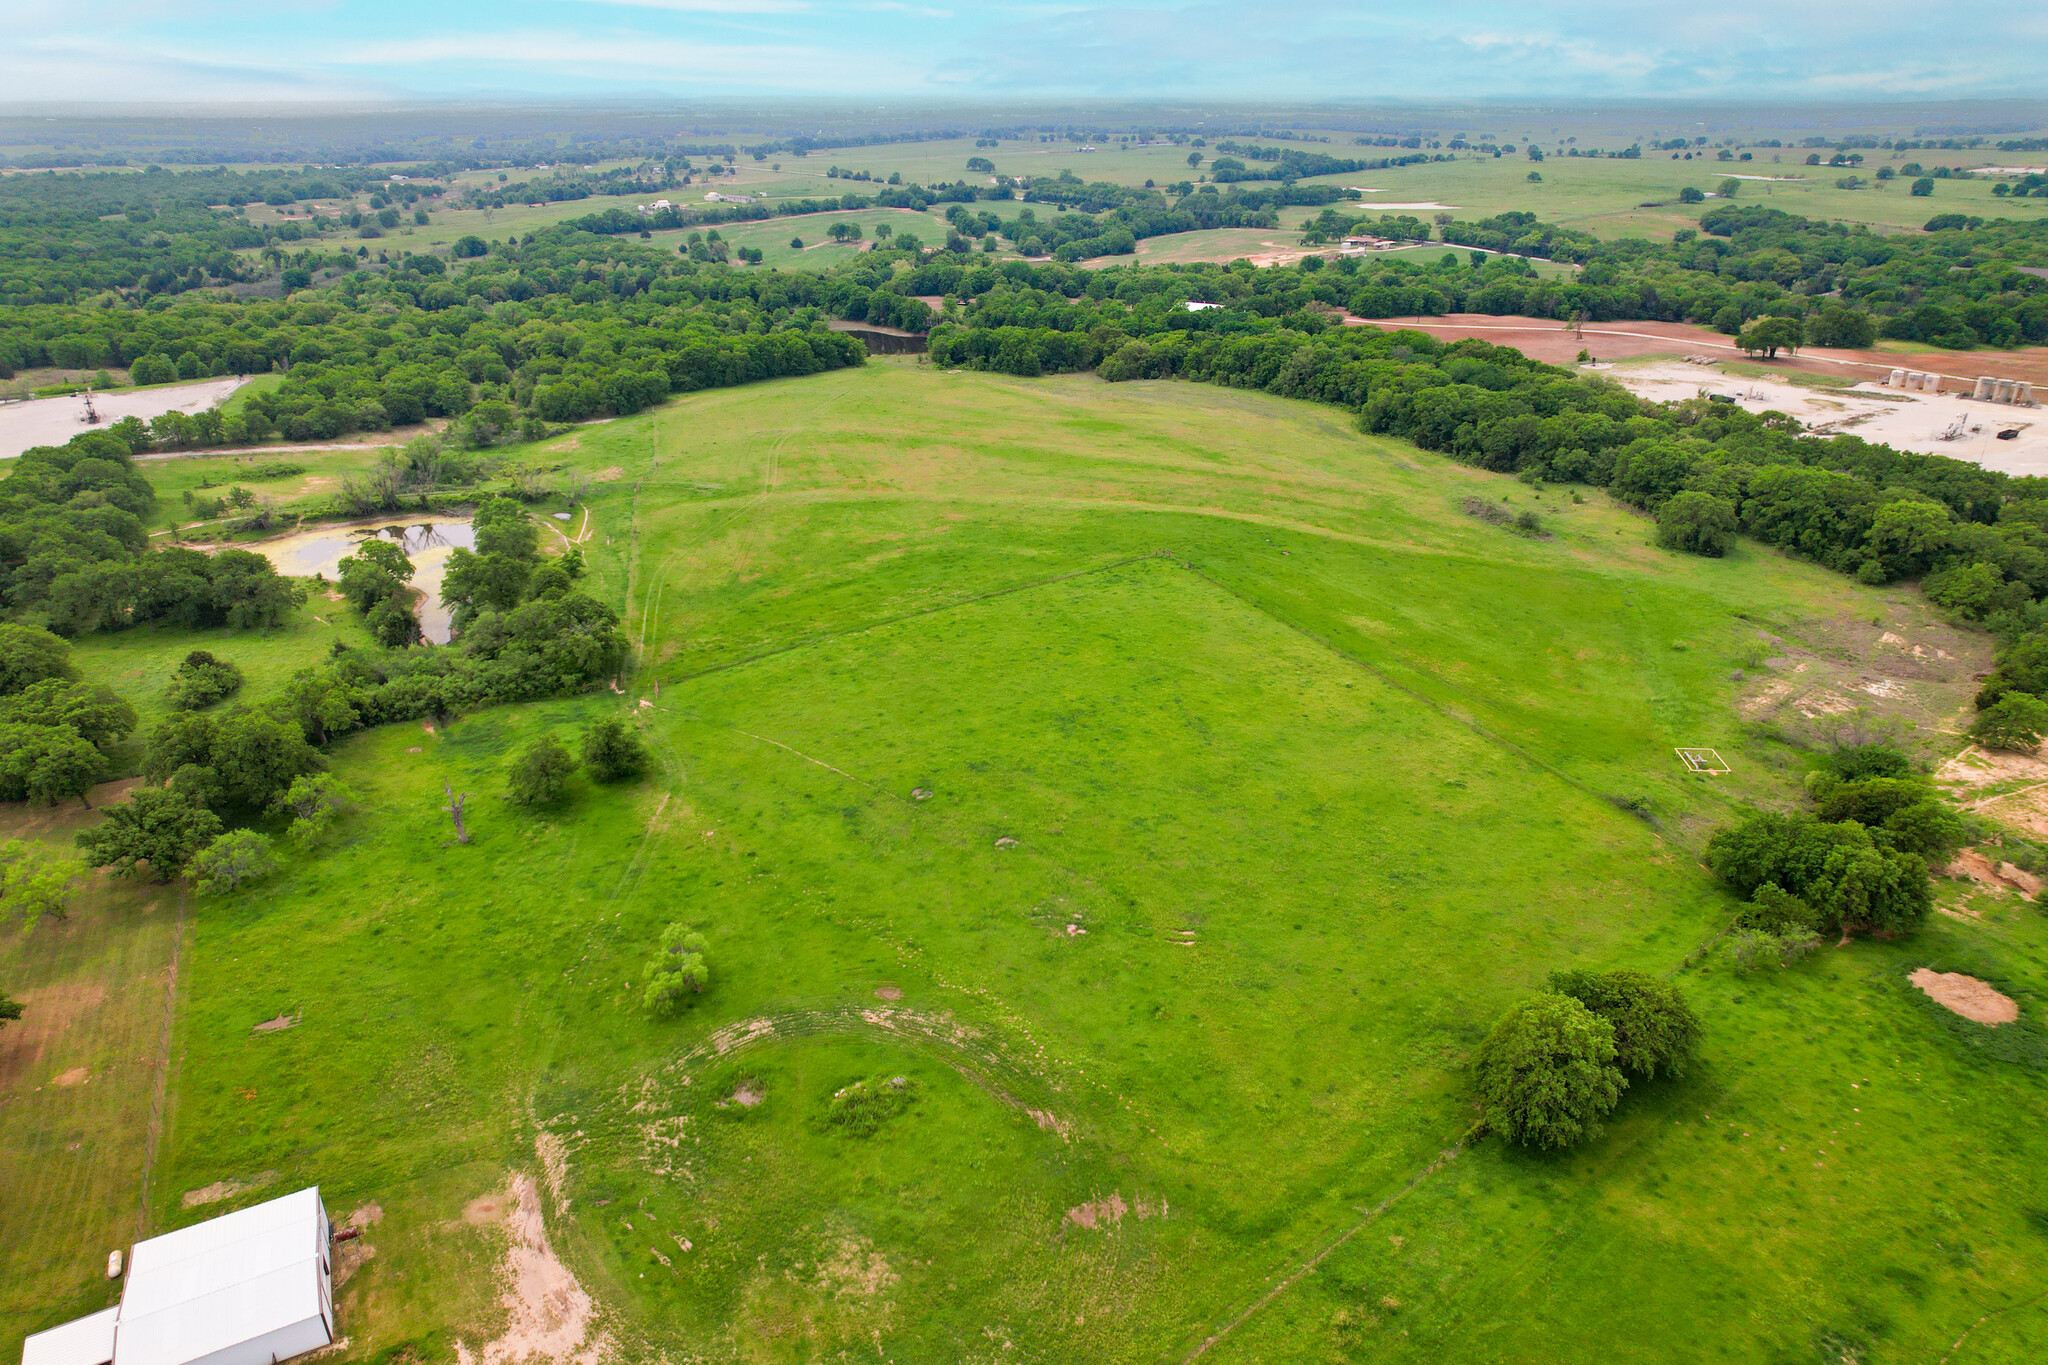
[(1967, 996), (1851, 679), (550, 1316)]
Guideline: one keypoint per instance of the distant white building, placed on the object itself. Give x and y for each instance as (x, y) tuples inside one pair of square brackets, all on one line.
[(1194, 307), (714, 197), (247, 1288), (657, 206)]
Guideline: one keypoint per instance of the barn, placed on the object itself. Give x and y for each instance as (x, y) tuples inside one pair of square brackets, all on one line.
[(247, 1288)]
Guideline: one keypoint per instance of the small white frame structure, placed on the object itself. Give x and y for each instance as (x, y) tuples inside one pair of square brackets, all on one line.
[(1707, 761)]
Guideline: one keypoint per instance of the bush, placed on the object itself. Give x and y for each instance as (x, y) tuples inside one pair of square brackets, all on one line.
[(1856, 761), (540, 772), (315, 802), (200, 681), (231, 861), (860, 1109), (1697, 523), (2015, 721), (677, 972), (1654, 1029), (1547, 1074), (1753, 949), (612, 752), (1774, 910), (35, 880)]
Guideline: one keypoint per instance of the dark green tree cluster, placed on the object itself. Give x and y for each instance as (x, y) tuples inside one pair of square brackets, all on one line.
[(55, 731), (1859, 861), (376, 581), (1557, 1063), (611, 751), (74, 552), (1960, 283)]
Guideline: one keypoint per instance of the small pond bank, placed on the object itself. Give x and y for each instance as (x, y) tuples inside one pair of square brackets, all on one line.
[(320, 550)]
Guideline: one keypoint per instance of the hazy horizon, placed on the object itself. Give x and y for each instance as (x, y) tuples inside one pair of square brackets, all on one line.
[(379, 52)]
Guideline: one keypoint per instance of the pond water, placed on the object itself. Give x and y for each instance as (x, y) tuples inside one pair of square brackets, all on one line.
[(427, 544)]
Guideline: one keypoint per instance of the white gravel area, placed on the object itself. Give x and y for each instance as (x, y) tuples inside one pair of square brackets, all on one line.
[(1904, 421), (53, 421)]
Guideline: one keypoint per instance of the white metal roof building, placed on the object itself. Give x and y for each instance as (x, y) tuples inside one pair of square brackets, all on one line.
[(247, 1288)]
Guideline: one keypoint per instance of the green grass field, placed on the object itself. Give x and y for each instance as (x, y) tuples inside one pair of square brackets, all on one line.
[(1260, 779), (1607, 196)]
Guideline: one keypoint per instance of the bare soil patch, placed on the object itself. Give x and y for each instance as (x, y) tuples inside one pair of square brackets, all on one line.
[(1556, 343), (278, 1024), (888, 992), (1996, 876), (484, 1210), (1845, 679), (1093, 1213), (77, 1075), (226, 1189), (46, 1013), (1967, 996), (550, 1314)]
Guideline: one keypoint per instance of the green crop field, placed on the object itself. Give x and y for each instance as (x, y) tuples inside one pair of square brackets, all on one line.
[(1155, 791)]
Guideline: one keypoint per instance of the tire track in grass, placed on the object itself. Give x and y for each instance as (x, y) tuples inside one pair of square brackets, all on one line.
[(158, 1100), (826, 636), (650, 620), (1328, 1249)]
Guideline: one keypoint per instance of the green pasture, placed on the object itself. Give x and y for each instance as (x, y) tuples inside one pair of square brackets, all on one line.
[(1168, 784)]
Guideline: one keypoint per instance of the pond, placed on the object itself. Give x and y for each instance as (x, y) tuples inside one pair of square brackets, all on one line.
[(427, 544)]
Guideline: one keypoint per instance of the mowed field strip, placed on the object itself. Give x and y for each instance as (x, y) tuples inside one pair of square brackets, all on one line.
[(1257, 779)]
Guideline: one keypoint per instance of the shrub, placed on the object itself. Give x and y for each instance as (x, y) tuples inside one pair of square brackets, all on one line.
[(2015, 721), (231, 861), (1752, 950), (201, 680), (613, 752), (35, 880), (1697, 523), (1871, 801), (1868, 760), (315, 801), (1654, 1029), (540, 772), (1547, 1073), (677, 972), (1774, 910), (860, 1109)]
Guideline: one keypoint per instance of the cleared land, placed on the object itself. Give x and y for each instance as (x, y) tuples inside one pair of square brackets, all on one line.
[(1261, 778)]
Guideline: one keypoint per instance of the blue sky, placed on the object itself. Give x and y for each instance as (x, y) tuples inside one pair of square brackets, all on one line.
[(991, 51)]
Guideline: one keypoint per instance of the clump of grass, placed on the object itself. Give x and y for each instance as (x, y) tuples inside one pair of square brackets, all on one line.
[(1485, 511), (860, 1109)]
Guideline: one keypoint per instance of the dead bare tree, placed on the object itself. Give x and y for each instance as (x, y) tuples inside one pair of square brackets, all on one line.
[(454, 809)]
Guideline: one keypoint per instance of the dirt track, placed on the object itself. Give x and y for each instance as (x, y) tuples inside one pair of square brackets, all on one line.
[(1548, 340)]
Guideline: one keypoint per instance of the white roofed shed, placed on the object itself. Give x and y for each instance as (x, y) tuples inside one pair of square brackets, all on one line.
[(247, 1288), (81, 1341)]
